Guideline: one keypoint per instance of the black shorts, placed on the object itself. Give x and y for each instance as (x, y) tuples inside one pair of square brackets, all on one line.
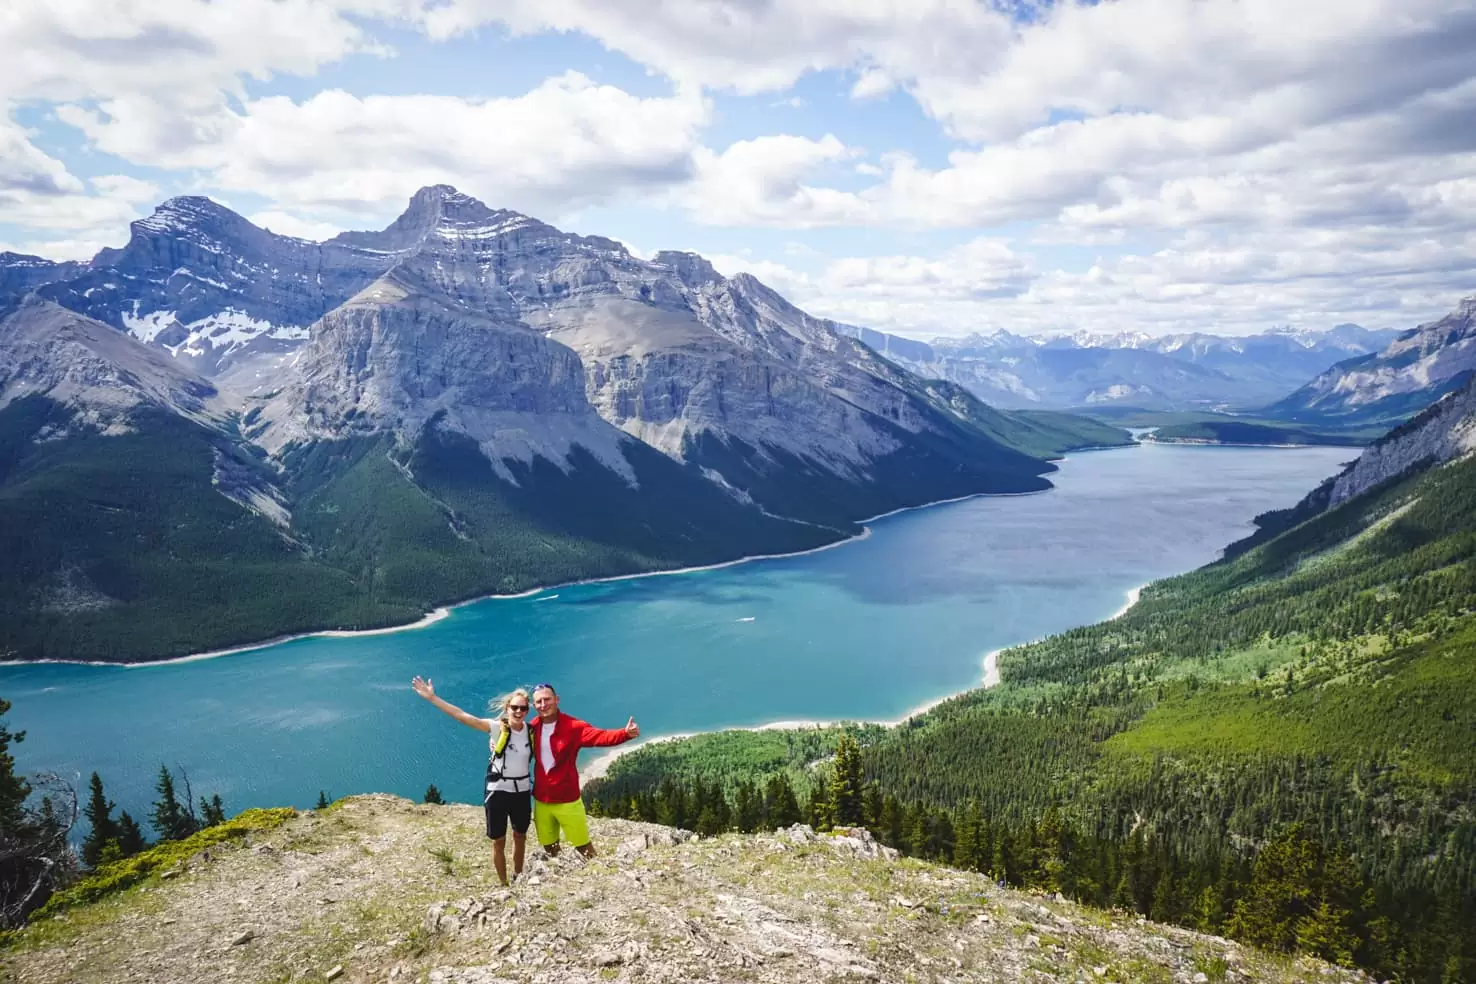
[(502, 808)]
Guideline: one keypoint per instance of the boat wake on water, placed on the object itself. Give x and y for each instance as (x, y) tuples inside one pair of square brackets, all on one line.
[(748, 618)]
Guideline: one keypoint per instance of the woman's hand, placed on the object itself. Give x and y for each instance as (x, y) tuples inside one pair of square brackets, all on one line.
[(423, 687)]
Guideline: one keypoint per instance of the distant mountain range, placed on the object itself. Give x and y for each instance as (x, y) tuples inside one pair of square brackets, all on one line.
[(1194, 371), (1385, 387), (217, 434)]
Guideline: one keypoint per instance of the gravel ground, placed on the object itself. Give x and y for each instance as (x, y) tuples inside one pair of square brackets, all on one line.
[(380, 889)]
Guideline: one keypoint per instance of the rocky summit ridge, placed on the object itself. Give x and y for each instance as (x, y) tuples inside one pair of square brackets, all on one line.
[(375, 888), (371, 332)]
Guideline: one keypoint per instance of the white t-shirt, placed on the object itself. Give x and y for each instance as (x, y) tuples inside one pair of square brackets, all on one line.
[(545, 749), (517, 760)]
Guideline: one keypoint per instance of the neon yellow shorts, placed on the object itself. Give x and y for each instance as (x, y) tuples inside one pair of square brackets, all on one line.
[(549, 817)]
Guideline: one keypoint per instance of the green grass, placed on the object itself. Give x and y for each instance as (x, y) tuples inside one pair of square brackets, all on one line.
[(113, 878)]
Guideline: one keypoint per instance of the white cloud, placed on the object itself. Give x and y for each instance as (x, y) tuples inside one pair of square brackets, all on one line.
[(286, 224), (754, 45), (1304, 161), (1305, 277), (564, 144), (37, 192), (872, 83), (762, 182)]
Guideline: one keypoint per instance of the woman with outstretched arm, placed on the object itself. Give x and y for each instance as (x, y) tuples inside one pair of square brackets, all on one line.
[(506, 798)]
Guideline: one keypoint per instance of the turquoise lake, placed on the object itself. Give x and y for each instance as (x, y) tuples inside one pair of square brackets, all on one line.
[(868, 630)]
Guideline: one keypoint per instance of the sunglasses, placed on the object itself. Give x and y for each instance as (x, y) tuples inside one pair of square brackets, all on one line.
[(518, 707)]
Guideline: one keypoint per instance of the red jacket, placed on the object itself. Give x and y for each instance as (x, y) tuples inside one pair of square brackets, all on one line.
[(561, 785)]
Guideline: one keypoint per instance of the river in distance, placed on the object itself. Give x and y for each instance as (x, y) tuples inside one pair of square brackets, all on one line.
[(866, 631)]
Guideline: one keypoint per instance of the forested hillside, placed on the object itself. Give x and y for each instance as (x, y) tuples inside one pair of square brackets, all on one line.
[(1280, 747)]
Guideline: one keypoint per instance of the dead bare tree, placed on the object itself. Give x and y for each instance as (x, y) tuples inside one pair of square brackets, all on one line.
[(36, 856)]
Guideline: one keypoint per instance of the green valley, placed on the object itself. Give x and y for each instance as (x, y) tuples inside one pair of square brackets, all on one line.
[(1280, 747)]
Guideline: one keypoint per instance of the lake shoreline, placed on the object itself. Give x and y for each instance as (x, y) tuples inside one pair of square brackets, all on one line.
[(444, 611), (599, 766)]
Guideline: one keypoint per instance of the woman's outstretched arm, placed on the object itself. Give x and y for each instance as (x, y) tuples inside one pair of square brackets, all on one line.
[(425, 689)]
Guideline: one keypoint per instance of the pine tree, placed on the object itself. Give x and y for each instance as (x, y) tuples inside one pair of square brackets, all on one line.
[(708, 824), (919, 835), (99, 813), (169, 817), (846, 798), (874, 805), (1280, 892), (432, 794), (890, 823), (1164, 907), (672, 808), (969, 852), (322, 803), (212, 811), (817, 811), (781, 809), (749, 808), (13, 789), (130, 836), (1324, 931)]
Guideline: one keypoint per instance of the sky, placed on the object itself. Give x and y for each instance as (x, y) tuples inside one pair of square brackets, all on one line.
[(927, 167)]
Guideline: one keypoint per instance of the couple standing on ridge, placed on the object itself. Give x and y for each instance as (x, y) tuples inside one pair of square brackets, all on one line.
[(535, 756)]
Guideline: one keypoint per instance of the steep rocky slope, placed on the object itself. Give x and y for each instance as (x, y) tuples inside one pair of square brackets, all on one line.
[(378, 889), (48, 350), (1412, 372), (1444, 431), (397, 357)]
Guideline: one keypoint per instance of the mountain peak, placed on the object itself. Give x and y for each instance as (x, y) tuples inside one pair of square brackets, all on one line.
[(692, 269), (186, 212), (443, 212)]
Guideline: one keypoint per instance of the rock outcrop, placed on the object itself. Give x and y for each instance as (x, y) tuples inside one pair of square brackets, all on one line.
[(1444, 432), (378, 889)]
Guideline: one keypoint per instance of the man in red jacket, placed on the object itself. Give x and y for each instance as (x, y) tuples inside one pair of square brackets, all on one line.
[(557, 739)]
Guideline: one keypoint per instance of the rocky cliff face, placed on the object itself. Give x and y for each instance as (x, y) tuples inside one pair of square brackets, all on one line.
[(99, 374), (398, 357), (1444, 432), (1415, 369), (21, 273), (378, 889)]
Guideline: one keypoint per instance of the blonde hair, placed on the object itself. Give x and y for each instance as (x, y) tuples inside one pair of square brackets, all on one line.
[(498, 705)]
